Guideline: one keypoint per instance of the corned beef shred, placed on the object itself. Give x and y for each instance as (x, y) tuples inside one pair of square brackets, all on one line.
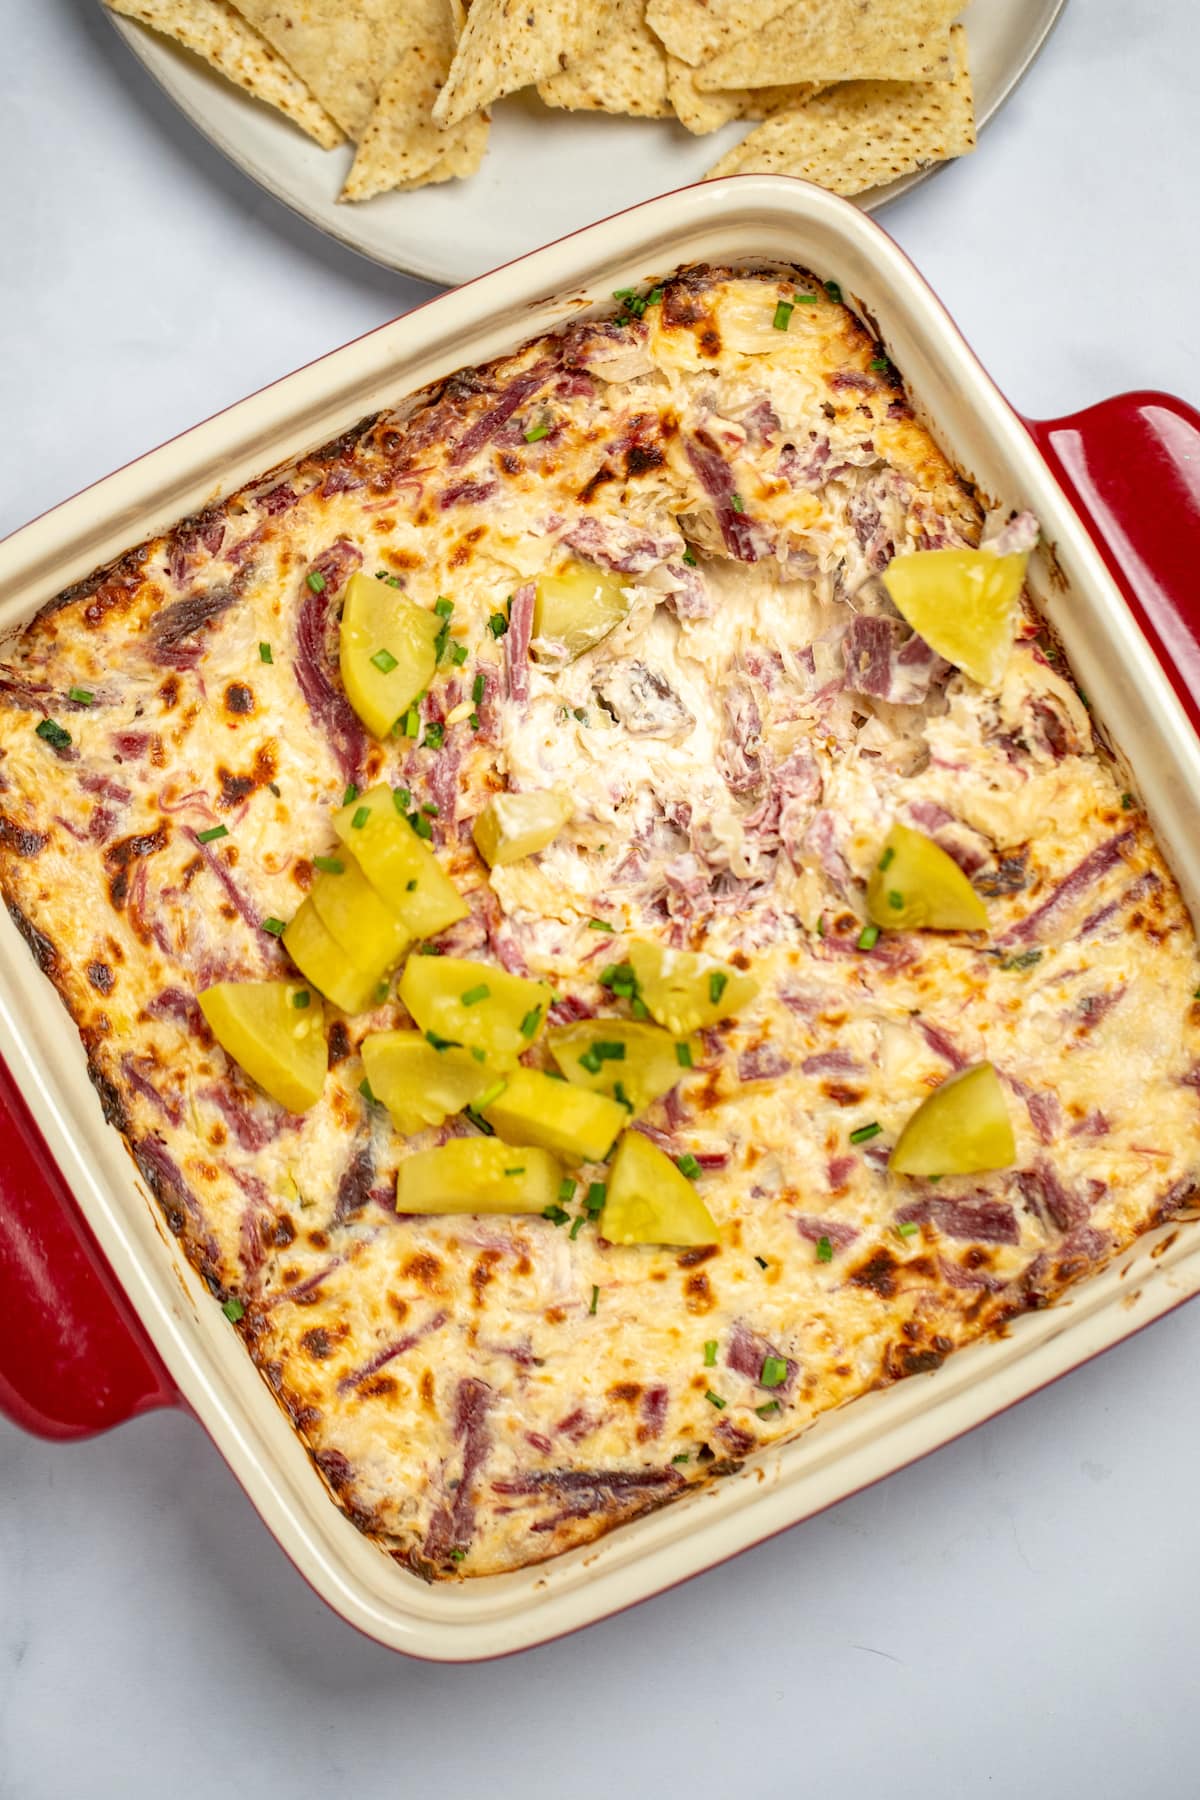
[(716, 478), (982, 1221), (1084, 875), (452, 1524), (328, 706), (390, 1352), (747, 1351), (516, 641)]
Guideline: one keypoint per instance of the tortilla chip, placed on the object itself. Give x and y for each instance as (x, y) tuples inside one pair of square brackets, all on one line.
[(392, 157), (213, 30), (462, 155), (629, 76), (861, 134), (702, 113), (826, 40), (341, 48), (401, 142), (510, 44), (694, 30)]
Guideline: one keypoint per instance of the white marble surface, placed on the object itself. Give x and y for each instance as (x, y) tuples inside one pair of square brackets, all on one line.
[(1019, 1613)]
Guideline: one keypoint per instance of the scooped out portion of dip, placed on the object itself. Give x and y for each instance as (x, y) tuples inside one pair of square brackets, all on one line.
[(602, 916)]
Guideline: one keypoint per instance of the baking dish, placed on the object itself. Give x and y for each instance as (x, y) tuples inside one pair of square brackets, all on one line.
[(105, 1318)]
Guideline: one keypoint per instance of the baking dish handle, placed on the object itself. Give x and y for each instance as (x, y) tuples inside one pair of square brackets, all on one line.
[(1131, 466), (72, 1360)]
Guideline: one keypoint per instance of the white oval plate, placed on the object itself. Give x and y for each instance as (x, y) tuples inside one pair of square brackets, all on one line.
[(546, 172)]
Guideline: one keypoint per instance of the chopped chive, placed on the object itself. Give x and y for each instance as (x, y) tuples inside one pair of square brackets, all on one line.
[(301, 998), (489, 1094), (435, 736), (824, 1250), (316, 581), (654, 296), (590, 1061), (681, 1458), (783, 315), (530, 1022), (329, 865), (458, 655), (683, 1056), (212, 834), (264, 653), (821, 925), (441, 1043), (81, 696), (620, 1095), (880, 364), (457, 1555), (718, 981), (473, 721), (361, 815), (895, 900), (480, 1123), (774, 1372), (53, 734), (1127, 801), (886, 860), (478, 1054), (596, 1195), (834, 292), (384, 661), (579, 713), (351, 793), (689, 559), (555, 1214), (577, 1227), (762, 1262), (367, 1092), (443, 607), (909, 1228), (639, 1008), (402, 799), (535, 432), (566, 1189), (687, 1165), (600, 925), (595, 1298), (715, 1400), (412, 722), (420, 825), (381, 991), (710, 1354), (519, 1170), (865, 1133), (1024, 959), (428, 949), (737, 503), (868, 937), (276, 927), (497, 624), (234, 1309), (477, 687), (806, 299), (274, 789), (765, 1412), (474, 995), (608, 1051)]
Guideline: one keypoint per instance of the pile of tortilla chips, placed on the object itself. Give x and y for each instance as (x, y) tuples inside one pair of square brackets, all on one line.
[(851, 93)]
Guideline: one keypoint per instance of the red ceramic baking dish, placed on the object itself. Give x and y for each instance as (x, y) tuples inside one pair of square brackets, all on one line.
[(103, 1317)]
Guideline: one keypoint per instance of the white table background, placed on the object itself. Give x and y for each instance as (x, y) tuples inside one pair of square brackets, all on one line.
[(1019, 1614)]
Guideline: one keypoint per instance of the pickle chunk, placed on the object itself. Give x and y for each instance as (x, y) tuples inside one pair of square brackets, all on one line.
[(575, 608), (915, 885), (275, 1031), (419, 1085), (402, 869), (624, 1058), (650, 1202), (475, 1004), (962, 1129), (963, 603), (387, 651), (685, 991), (371, 934), (477, 1175), (533, 1108), (321, 959), (513, 826)]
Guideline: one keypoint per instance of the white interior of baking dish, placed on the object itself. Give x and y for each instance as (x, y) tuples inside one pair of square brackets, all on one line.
[(748, 220)]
